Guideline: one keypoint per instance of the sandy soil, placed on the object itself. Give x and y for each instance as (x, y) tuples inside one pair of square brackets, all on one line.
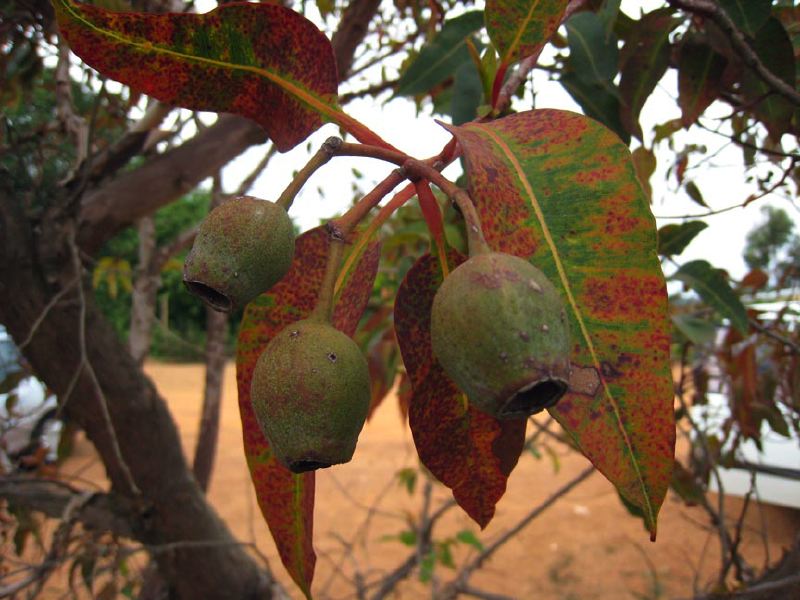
[(585, 547)]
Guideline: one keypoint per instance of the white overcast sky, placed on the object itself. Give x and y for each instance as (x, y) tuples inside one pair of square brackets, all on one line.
[(721, 180)]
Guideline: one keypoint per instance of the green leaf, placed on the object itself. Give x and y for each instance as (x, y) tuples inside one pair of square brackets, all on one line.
[(713, 288), (465, 536), (467, 94), (560, 190), (700, 71), (409, 538), (262, 61), (408, 479), (644, 161), (445, 555), (644, 59), (774, 48), (520, 28), (673, 239), (593, 53), (695, 194), (426, 567), (698, 331), (440, 58), (287, 500), (748, 15)]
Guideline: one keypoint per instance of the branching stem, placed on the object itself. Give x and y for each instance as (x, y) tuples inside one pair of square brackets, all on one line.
[(419, 169)]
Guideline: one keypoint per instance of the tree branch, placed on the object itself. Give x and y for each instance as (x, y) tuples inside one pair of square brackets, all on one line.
[(121, 202), (713, 11), (101, 512)]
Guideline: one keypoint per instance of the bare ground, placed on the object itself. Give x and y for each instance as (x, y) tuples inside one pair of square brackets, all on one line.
[(584, 547)]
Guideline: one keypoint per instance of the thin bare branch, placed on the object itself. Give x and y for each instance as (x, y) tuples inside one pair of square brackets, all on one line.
[(457, 585)]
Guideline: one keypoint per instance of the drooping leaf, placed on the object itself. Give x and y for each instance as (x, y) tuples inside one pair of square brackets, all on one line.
[(790, 19), (287, 500), (748, 15), (560, 190), (700, 71), (262, 61), (467, 94), (439, 59), (712, 286), (695, 194), (774, 48), (593, 52), (467, 450), (673, 239), (698, 331), (520, 28), (644, 161), (644, 59), (592, 67)]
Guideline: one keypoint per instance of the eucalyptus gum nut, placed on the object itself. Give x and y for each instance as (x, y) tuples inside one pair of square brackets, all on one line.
[(311, 394), (499, 330), (242, 249)]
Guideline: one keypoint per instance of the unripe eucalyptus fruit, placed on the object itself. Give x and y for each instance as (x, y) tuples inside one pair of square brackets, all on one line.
[(242, 249), (499, 330), (311, 393)]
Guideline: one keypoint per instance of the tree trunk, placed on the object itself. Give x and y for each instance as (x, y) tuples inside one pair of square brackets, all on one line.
[(75, 350), (206, 449), (145, 290)]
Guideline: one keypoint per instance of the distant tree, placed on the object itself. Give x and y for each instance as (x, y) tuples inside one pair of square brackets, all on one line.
[(774, 246)]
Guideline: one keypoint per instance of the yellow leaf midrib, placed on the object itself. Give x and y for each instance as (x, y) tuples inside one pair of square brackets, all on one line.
[(298, 92), (520, 173)]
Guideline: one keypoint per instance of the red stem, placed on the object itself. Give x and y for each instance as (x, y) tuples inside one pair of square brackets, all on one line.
[(498, 83), (432, 214)]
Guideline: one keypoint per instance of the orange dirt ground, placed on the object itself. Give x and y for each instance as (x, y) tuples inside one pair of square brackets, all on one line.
[(584, 547)]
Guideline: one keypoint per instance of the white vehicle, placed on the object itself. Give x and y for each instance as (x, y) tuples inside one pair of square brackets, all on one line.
[(29, 418)]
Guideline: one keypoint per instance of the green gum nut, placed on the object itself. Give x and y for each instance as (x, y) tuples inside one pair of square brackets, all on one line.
[(500, 331), (311, 393), (242, 249)]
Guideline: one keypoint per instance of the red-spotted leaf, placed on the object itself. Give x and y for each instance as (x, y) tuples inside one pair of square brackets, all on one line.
[(520, 28), (700, 71), (560, 190), (287, 500), (469, 451), (262, 61)]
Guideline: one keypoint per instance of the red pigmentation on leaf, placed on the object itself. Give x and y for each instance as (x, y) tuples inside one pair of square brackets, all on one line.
[(262, 61), (287, 500), (469, 451), (569, 183)]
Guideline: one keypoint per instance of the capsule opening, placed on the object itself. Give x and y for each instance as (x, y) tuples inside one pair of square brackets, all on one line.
[(216, 300), (301, 466), (534, 398)]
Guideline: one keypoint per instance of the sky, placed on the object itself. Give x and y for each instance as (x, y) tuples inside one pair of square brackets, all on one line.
[(398, 121)]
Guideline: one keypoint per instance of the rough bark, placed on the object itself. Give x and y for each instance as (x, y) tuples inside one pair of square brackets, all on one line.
[(202, 560), (122, 201), (145, 291), (97, 511), (206, 449)]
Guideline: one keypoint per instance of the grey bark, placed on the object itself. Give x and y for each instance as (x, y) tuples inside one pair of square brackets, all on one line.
[(145, 290)]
